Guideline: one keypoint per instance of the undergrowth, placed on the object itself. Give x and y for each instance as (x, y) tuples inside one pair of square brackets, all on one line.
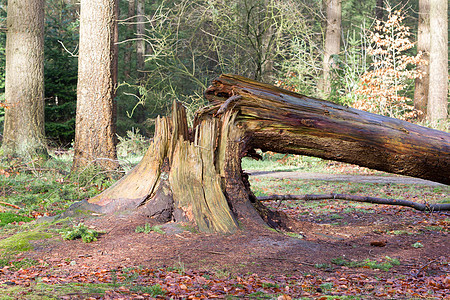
[(86, 234)]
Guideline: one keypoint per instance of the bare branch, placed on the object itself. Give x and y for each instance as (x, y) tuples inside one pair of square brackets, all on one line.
[(71, 53), (374, 200)]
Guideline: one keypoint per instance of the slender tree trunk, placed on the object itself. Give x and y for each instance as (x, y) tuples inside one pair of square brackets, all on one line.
[(423, 44), (130, 34), (140, 43), (24, 86), (438, 88), (332, 41), (97, 77), (379, 10), (267, 43)]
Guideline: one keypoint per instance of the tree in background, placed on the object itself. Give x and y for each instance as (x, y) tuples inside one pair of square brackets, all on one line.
[(140, 32), (24, 86), (95, 121), (438, 87), (423, 45), (131, 14), (332, 41), (383, 87)]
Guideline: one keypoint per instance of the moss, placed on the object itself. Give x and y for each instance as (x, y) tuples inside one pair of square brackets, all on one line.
[(9, 217), (20, 242)]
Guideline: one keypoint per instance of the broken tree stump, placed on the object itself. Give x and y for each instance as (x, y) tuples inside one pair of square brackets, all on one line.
[(196, 175)]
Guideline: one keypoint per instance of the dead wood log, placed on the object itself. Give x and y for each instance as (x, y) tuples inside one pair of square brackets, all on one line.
[(286, 122), (197, 176), (398, 202)]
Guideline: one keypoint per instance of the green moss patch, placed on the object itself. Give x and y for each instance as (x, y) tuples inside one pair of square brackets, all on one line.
[(9, 217), (20, 242)]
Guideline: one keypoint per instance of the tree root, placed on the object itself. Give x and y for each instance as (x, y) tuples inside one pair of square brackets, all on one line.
[(399, 202)]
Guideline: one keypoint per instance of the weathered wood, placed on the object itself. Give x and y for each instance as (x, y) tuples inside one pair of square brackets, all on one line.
[(178, 179), (286, 122), (397, 202), (197, 177)]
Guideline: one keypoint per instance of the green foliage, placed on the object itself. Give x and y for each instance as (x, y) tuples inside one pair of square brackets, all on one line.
[(367, 263), (417, 245), (9, 217), (147, 229), (80, 231), (133, 144)]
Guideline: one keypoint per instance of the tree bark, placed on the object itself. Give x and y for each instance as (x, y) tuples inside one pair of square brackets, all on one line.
[(130, 30), (97, 77), (423, 44), (196, 176), (286, 122), (332, 41), (140, 43), (438, 88), (24, 86)]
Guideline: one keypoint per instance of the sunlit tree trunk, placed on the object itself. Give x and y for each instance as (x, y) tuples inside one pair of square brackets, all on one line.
[(438, 88), (332, 41), (423, 44), (140, 43), (24, 87), (97, 68)]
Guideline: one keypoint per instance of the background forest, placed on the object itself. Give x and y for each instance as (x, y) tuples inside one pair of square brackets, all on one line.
[(173, 49)]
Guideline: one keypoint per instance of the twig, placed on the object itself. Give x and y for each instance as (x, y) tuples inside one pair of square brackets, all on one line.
[(9, 204), (425, 266), (71, 53), (398, 202), (215, 252)]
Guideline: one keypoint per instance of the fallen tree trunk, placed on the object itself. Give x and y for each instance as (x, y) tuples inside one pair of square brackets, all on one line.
[(374, 200), (196, 175), (285, 122)]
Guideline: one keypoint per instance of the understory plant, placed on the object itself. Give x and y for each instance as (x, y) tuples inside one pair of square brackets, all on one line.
[(80, 231), (383, 88)]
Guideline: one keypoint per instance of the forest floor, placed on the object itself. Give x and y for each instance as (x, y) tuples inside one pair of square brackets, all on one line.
[(335, 250)]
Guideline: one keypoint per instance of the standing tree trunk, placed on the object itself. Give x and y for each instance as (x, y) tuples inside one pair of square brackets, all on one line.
[(24, 86), (423, 45), (97, 66), (140, 43), (379, 10), (438, 88), (197, 176), (130, 33), (332, 41)]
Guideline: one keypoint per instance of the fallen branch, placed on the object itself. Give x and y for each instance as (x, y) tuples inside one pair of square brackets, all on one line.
[(9, 204), (399, 202)]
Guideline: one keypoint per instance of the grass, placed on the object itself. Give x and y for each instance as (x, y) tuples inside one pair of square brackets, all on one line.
[(282, 162)]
